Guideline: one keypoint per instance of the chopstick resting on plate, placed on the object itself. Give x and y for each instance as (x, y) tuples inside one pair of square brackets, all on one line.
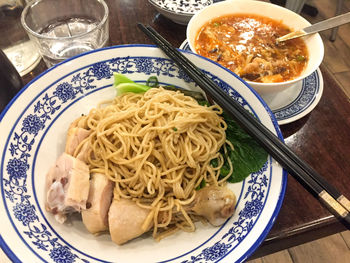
[(336, 203)]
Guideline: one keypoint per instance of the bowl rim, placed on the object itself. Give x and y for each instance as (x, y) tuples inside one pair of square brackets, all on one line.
[(262, 3), (181, 13)]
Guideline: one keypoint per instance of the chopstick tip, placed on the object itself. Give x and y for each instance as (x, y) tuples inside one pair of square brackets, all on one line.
[(140, 25)]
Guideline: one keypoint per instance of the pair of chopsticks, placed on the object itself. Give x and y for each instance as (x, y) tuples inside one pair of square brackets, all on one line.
[(336, 203)]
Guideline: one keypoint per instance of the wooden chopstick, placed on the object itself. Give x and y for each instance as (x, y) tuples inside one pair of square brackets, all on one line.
[(337, 204)]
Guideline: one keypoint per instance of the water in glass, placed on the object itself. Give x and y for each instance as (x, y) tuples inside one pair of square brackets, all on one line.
[(63, 48)]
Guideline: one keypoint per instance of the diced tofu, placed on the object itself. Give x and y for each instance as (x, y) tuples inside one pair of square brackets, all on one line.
[(272, 78)]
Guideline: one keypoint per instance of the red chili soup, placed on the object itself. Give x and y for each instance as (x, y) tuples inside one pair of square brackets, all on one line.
[(246, 44)]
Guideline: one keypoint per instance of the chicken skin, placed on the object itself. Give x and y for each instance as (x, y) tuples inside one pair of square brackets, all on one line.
[(125, 220), (67, 187)]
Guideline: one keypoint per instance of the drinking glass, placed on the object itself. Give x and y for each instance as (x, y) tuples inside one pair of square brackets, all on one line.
[(65, 28), (14, 40)]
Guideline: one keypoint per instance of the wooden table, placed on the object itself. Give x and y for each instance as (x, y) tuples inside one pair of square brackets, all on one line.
[(322, 138)]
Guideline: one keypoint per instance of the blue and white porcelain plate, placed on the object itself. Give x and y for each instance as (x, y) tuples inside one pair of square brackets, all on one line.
[(294, 102), (33, 128)]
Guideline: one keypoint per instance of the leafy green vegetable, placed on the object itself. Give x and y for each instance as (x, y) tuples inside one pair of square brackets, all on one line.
[(131, 87), (247, 157), (201, 185), (124, 84), (152, 82), (300, 58), (120, 78)]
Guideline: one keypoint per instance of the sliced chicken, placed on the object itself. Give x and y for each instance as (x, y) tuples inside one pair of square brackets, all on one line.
[(84, 152), (79, 122), (125, 220), (95, 217), (75, 136), (215, 203), (67, 187)]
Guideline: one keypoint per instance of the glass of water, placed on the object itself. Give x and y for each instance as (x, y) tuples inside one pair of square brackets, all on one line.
[(65, 28)]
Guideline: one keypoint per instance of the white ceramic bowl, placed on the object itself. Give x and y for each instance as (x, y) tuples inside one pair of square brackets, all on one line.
[(179, 14), (33, 129), (292, 20)]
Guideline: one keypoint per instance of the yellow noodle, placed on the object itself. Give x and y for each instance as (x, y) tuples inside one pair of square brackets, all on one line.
[(157, 148)]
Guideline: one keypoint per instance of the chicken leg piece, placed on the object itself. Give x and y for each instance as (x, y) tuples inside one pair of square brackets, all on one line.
[(215, 203)]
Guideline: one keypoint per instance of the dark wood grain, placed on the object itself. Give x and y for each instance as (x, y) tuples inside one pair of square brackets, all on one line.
[(322, 138), (10, 25)]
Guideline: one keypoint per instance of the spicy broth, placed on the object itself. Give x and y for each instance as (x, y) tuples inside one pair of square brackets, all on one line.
[(246, 44)]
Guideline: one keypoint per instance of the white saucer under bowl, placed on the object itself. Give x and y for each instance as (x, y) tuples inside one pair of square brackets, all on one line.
[(295, 102)]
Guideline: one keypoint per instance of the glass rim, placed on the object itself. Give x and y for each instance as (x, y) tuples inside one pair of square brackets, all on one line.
[(40, 36)]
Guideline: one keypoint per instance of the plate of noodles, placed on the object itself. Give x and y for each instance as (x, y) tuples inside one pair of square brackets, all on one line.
[(100, 165)]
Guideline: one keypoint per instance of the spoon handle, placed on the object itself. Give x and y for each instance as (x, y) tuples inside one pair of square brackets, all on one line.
[(328, 23), (323, 25)]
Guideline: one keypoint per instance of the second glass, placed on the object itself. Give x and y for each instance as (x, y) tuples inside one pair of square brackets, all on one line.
[(65, 28)]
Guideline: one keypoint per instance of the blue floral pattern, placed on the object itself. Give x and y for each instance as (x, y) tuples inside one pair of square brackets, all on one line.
[(62, 254), (25, 213), (215, 252), (17, 168), (252, 208), (144, 65), (102, 70), (310, 88), (64, 92), (46, 108), (32, 124)]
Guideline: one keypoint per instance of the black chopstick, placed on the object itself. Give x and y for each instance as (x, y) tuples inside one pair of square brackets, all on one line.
[(308, 177), (188, 66)]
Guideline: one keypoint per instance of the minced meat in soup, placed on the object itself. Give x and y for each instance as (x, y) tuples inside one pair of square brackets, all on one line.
[(246, 44)]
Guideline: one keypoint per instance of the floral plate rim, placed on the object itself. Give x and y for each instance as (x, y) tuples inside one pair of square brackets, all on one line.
[(274, 212)]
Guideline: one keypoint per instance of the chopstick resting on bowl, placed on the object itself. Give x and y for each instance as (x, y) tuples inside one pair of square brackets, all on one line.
[(336, 203)]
